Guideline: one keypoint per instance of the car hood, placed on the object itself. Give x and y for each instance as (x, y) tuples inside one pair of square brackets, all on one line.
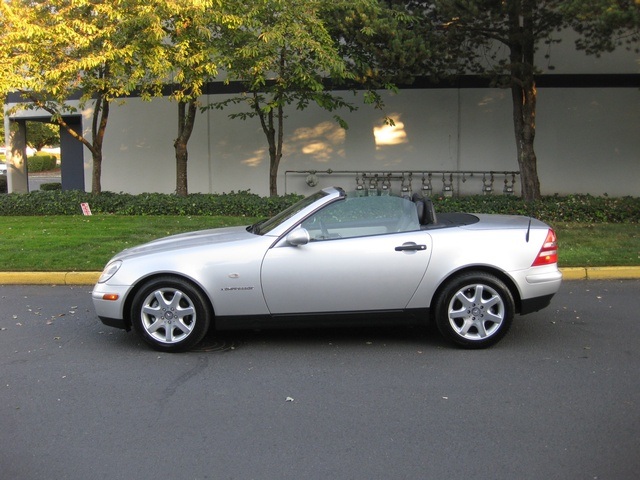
[(183, 241)]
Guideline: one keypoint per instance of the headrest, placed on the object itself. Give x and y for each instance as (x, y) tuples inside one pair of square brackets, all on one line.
[(426, 212)]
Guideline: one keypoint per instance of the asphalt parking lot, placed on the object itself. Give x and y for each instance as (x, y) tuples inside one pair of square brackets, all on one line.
[(558, 398)]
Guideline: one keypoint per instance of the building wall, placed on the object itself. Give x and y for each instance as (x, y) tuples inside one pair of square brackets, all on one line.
[(588, 141), (588, 137)]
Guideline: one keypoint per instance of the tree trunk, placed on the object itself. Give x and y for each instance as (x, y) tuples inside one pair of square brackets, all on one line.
[(186, 121), (524, 111), (96, 173), (274, 157), (275, 152), (99, 126), (182, 156), (273, 174), (275, 144), (524, 94)]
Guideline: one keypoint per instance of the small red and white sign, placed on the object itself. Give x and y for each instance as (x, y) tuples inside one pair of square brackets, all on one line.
[(85, 209)]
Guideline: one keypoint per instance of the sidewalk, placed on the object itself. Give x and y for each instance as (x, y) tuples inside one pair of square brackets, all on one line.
[(90, 278)]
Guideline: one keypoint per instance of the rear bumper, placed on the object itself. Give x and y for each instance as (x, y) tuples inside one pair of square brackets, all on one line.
[(531, 305), (550, 277), (542, 283)]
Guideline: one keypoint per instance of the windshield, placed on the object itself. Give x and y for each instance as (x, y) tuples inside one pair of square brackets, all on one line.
[(268, 225)]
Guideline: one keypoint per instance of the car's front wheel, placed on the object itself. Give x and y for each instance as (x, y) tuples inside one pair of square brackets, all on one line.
[(474, 310), (170, 314)]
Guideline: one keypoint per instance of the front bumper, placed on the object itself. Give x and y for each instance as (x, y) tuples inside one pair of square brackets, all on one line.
[(116, 323), (110, 312)]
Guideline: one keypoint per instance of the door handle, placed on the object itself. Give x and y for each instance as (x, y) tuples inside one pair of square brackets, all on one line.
[(410, 247)]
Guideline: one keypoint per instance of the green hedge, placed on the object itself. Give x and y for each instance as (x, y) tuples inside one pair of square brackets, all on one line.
[(552, 209), (41, 163), (68, 203), (51, 186)]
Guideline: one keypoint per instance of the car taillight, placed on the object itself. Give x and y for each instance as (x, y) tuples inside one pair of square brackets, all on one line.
[(549, 252)]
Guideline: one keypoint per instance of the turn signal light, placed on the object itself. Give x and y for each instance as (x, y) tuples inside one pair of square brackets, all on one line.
[(549, 252), (110, 296)]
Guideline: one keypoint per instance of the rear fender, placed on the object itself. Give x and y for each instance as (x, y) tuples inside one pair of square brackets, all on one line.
[(506, 279)]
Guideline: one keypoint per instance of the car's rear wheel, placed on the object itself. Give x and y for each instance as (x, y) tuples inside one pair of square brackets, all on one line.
[(474, 310), (170, 314)]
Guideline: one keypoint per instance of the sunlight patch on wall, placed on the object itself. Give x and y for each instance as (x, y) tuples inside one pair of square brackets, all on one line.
[(257, 158), (492, 100), (387, 135), (322, 142)]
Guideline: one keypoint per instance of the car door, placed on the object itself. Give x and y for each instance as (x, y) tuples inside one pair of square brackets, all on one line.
[(362, 264)]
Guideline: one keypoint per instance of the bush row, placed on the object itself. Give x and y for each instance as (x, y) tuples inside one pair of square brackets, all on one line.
[(41, 163), (44, 186), (68, 203), (51, 186), (552, 209)]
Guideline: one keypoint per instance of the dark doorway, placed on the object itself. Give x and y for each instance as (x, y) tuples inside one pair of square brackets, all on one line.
[(72, 156), (43, 139)]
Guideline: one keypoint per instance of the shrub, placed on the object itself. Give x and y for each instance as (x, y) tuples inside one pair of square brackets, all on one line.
[(552, 209), (45, 202), (51, 186), (41, 162)]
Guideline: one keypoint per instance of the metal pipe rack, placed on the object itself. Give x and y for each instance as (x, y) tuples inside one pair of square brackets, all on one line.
[(379, 181)]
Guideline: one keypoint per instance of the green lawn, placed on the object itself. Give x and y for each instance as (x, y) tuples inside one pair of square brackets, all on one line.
[(598, 245), (78, 243)]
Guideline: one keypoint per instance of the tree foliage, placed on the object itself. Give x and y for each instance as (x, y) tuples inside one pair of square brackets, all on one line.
[(500, 39), (92, 50), (285, 55), (604, 25), (2, 124), (386, 43), (192, 31), (40, 135)]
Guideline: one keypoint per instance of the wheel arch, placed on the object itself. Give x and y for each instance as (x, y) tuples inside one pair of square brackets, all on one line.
[(506, 279), (142, 281)]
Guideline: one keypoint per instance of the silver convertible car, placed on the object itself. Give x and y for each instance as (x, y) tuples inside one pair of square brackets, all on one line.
[(336, 259)]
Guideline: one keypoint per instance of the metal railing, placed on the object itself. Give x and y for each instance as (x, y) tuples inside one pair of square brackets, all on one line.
[(428, 182)]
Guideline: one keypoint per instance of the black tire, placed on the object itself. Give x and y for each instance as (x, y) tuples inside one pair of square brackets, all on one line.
[(170, 314), (474, 310)]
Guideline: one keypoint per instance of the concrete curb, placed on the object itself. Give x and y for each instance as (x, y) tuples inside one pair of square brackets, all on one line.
[(90, 278), (49, 278), (600, 273)]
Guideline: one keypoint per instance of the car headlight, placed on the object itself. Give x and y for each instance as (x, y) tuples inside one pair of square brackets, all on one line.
[(109, 271)]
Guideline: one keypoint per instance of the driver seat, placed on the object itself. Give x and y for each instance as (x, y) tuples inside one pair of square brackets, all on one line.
[(426, 210)]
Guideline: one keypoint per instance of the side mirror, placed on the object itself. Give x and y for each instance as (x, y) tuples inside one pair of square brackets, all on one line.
[(300, 236)]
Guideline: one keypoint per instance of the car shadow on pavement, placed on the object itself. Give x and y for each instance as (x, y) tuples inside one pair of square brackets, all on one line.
[(226, 341)]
